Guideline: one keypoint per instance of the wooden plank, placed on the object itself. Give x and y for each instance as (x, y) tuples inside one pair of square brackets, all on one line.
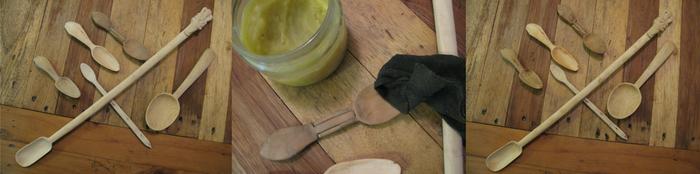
[(492, 83), (79, 53), (163, 24), (557, 93), (525, 109), (583, 155), (641, 17), (214, 109), (475, 164), (481, 16), (52, 43), (123, 14), (665, 104), (89, 144), (18, 37), (189, 52), (424, 10), (610, 22), (388, 140), (256, 113), (688, 126)]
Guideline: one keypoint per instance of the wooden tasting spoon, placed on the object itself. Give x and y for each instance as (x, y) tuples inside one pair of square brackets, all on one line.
[(131, 47), (369, 107), (559, 54), (592, 41), (528, 77), (504, 155), (164, 108), (99, 53), (63, 84), (625, 98)]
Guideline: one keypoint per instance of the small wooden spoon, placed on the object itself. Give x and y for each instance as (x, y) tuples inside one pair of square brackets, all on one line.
[(369, 107), (559, 54), (528, 77), (63, 84), (99, 53), (626, 97), (132, 48), (592, 41), (163, 110)]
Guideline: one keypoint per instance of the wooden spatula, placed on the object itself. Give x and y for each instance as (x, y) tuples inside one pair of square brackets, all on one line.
[(369, 107)]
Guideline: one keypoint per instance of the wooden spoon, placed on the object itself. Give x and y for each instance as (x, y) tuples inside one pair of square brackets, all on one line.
[(626, 97), (132, 48), (528, 77), (33, 151), (63, 84), (559, 54), (99, 53), (559, 74), (365, 166), (369, 107), (592, 41), (92, 78), (504, 155), (164, 108)]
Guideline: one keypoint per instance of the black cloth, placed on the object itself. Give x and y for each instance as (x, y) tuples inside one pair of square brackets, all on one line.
[(438, 80)]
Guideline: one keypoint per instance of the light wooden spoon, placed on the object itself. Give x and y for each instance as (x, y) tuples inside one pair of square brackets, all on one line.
[(63, 84), (504, 155), (369, 107), (365, 166), (592, 41), (625, 98), (528, 77), (163, 109), (559, 54), (131, 47), (560, 76), (99, 53)]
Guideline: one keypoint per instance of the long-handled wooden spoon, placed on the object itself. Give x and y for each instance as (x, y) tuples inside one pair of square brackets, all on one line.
[(625, 98), (592, 41), (559, 74), (528, 77), (504, 155), (63, 84), (99, 53), (164, 108), (559, 54), (33, 151), (369, 107), (131, 47), (90, 76)]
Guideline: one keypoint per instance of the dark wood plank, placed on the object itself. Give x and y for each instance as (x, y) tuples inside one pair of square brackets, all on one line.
[(688, 125), (189, 52), (424, 10), (107, 148), (582, 155), (79, 53), (525, 109), (641, 17)]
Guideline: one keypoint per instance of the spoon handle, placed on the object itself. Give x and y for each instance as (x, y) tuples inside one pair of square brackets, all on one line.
[(658, 60), (333, 123), (43, 63), (127, 120), (116, 35), (512, 58), (537, 32), (198, 69), (77, 31), (568, 15)]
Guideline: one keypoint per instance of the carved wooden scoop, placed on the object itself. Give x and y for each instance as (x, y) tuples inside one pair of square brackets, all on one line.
[(369, 108)]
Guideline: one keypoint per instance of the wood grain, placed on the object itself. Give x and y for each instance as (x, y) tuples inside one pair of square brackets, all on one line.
[(480, 23), (688, 133)]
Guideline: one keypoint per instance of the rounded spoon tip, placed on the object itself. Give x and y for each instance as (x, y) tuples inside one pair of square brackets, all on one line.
[(32, 152), (162, 111)]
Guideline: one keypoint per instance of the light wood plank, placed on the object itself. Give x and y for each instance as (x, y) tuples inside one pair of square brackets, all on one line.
[(481, 16), (688, 125)]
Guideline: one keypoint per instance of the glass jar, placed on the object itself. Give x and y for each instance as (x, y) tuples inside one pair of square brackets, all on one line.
[(305, 63)]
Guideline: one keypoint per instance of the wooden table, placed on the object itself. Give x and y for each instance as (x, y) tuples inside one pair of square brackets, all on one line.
[(667, 120), (232, 105)]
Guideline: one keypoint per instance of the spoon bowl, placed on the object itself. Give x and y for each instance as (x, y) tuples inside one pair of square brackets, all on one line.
[(370, 108), (624, 100), (104, 58), (66, 86), (136, 50), (594, 43), (162, 111), (500, 158), (33, 151), (531, 79), (564, 58)]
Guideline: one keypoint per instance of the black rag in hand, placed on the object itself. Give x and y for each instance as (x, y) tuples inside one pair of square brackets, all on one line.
[(438, 80)]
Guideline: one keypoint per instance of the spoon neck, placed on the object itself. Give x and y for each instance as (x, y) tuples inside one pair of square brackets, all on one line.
[(120, 38), (333, 123)]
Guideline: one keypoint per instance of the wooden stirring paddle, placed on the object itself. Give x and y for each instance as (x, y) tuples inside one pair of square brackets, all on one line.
[(131, 47), (63, 84), (369, 107)]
